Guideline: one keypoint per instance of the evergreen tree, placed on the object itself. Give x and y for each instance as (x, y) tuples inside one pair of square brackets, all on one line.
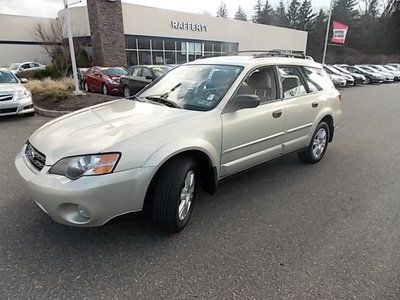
[(280, 15), (293, 14), (258, 12), (306, 15), (222, 11), (240, 14)]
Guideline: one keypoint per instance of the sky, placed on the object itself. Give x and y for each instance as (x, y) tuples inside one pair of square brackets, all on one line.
[(49, 8)]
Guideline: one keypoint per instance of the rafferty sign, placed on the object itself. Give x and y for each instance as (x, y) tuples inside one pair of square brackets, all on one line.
[(189, 26)]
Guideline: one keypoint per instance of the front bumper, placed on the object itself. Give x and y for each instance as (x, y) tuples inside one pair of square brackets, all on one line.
[(102, 197), (16, 107)]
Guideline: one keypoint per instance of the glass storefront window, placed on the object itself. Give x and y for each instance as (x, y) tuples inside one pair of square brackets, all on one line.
[(158, 58), (142, 50), (169, 58), (130, 43), (144, 44), (145, 57), (132, 58), (157, 44), (169, 45)]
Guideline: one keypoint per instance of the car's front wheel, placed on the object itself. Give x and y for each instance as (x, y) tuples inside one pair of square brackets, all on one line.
[(367, 80), (173, 194), (127, 92), (318, 145), (104, 89)]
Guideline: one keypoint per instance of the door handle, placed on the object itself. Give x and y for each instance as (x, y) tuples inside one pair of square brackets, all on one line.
[(276, 114), (314, 104)]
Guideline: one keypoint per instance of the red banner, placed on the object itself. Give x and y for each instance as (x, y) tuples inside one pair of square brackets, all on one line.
[(339, 33)]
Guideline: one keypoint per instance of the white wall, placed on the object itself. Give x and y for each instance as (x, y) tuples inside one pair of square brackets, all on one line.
[(143, 20), (21, 29)]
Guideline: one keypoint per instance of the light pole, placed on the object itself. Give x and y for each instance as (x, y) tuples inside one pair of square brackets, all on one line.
[(327, 33), (77, 91)]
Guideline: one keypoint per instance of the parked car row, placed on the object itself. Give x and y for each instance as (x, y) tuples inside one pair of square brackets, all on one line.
[(117, 80), (344, 75)]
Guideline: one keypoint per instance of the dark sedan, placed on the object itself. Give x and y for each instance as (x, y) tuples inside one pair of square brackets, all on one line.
[(140, 76)]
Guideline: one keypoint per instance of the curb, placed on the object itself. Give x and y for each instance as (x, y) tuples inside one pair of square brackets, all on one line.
[(50, 113)]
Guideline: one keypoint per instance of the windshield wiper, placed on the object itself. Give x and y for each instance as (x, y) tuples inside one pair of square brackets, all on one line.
[(134, 97), (166, 102)]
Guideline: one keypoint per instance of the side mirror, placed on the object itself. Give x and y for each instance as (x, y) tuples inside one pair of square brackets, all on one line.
[(24, 80), (246, 101), (149, 77)]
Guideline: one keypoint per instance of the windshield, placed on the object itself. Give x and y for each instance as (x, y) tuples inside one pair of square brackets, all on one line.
[(193, 87), (391, 68), (342, 70), (14, 66), (113, 71), (7, 77), (158, 71), (369, 69)]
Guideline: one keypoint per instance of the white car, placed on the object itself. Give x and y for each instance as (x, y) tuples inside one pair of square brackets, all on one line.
[(26, 66), (15, 99), (198, 123)]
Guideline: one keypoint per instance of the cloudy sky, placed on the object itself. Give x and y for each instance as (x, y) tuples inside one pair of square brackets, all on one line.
[(49, 8)]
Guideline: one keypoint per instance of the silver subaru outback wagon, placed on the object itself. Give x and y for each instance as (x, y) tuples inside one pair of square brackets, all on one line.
[(198, 123)]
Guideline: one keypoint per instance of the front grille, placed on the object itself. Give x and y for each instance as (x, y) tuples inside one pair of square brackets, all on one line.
[(36, 158), (8, 110), (6, 97)]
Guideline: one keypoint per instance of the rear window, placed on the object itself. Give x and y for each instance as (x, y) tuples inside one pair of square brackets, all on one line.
[(317, 79)]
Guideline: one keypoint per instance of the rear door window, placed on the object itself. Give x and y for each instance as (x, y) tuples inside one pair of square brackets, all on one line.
[(292, 84), (317, 79)]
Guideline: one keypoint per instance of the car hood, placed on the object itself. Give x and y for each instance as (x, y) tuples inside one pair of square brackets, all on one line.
[(98, 128), (10, 87)]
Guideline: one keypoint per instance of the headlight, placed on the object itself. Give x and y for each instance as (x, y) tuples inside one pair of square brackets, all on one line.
[(22, 94), (86, 165)]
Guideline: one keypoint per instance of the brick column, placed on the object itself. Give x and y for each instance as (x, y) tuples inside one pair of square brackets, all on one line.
[(107, 31)]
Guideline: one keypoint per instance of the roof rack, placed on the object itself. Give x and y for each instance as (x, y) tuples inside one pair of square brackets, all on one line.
[(275, 53), (264, 53)]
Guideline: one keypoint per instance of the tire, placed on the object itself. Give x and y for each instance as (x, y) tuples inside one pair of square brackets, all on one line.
[(367, 80), (318, 145), (176, 180), (127, 92), (104, 89)]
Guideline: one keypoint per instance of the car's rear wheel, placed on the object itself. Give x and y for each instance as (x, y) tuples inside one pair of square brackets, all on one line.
[(127, 92), (86, 86), (104, 89), (318, 145), (173, 194)]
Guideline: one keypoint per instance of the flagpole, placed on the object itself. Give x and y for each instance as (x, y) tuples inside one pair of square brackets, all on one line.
[(327, 33)]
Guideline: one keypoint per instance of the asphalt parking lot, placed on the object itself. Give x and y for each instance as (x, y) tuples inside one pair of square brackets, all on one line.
[(280, 230)]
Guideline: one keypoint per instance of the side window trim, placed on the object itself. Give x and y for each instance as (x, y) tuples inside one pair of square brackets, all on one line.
[(278, 86), (306, 80), (301, 80)]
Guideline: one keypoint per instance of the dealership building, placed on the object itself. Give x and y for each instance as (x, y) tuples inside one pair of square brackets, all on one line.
[(116, 33)]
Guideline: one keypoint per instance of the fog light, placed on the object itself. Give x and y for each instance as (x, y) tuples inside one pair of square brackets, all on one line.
[(28, 107), (83, 212)]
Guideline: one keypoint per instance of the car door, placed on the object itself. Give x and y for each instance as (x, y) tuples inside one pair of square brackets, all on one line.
[(97, 81), (252, 136), (302, 105), (135, 84)]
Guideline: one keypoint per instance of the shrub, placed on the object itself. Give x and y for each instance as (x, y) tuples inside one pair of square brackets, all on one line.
[(48, 85), (55, 95)]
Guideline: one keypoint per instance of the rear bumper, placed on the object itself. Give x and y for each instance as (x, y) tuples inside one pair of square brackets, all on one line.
[(102, 197), (17, 107)]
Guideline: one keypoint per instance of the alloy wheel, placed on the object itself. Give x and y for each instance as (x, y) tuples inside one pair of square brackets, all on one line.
[(319, 143), (187, 194)]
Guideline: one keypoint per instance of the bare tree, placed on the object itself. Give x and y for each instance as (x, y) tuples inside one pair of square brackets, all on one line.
[(51, 40)]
